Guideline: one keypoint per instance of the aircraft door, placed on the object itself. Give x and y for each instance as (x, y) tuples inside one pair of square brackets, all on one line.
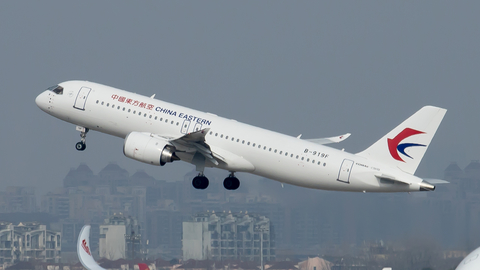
[(197, 127), (185, 126), (82, 98), (345, 170)]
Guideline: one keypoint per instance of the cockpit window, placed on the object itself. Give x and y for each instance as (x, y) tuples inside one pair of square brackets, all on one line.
[(57, 89)]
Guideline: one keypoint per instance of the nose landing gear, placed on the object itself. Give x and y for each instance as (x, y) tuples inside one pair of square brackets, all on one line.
[(81, 145)]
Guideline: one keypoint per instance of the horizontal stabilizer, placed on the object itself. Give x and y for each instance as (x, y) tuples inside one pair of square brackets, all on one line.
[(335, 139), (390, 178), (436, 181)]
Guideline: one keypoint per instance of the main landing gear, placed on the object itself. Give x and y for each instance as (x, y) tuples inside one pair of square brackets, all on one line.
[(231, 182), (201, 182), (81, 145)]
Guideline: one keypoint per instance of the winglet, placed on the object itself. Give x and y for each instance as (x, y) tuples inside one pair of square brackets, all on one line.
[(83, 250)]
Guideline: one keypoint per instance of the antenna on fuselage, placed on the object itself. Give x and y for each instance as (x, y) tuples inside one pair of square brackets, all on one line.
[(153, 96)]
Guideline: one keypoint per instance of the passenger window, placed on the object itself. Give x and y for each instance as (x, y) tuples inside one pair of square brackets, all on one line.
[(211, 132), (134, 112), (113, 105), (243, 142), (313, 161), (297, 156), (248, 143), (166, 120), (286, 154), (108, 104), (318, 163), (238, 140), (259, 146), (102, 103), (264, 148), (118, 108), (139, 113), (303, 158), (233, 139), (128, 110), (216, 134), (221, 136), (291, 155), (280, 152), (226, 137), (178, 123), (253, 145), (270, 149), (156, 117), (324, 164), (150, 117), (171, 122), (123, 108), (308, 160), (98, 101)]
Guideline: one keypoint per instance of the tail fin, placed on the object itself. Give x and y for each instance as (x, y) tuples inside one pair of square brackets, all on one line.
[(143, 266), (83, 250), (405, 145)]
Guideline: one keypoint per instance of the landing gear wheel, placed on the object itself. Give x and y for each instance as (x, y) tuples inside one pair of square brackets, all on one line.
[(231, 183), (80, 146), (200, 182)]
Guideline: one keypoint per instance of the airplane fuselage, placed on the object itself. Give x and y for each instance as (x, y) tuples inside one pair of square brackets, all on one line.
[(249, 149)]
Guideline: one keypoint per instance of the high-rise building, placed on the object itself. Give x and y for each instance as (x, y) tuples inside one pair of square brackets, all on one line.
[(227, 236), (119, 238)]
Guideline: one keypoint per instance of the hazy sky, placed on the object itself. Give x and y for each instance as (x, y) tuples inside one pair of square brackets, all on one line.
[(316, 68)]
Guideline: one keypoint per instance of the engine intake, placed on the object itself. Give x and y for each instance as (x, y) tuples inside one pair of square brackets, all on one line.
[(148, 148)]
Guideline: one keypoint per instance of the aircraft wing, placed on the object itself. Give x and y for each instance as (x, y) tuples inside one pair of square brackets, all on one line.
[(83, 250), (335, 139), (195, 142)]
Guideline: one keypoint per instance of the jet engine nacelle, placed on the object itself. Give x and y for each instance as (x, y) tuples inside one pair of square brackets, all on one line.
[(148, 148)]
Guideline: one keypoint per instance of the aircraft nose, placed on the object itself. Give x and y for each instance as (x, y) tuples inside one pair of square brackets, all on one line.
[(42, 101)]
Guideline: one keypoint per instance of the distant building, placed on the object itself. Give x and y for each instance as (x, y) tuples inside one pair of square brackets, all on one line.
[(18, 200), (120, 238), (227, 236), (28, 242)]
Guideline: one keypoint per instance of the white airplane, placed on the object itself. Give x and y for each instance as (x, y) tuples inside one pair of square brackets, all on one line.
[(471, 262), (157, 132)]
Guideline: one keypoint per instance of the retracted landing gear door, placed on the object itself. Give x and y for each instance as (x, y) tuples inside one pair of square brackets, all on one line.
[(82, 98)]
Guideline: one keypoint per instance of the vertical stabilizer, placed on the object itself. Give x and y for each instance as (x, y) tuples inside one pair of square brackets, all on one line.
[(83, 250), (405, 145)]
